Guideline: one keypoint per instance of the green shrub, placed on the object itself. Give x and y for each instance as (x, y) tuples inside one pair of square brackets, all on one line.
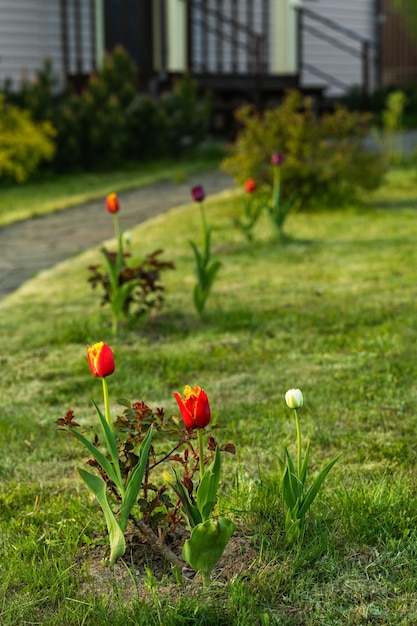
[(23, 142), (185, 116), (145, 130), (324, 158), (109, 122)]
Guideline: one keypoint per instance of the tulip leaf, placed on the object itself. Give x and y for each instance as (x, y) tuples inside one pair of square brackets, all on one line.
[(206, 544), (134, 481), (207, 490), (303, 473), (190, 511), (116, 538), (111, 444), (99, 456), (314, 489), (293, 526)]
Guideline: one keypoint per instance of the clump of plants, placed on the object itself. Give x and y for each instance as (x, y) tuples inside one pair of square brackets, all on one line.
[(206, 269), (128, 481), (325, 158), (260, 199), (131, 290)]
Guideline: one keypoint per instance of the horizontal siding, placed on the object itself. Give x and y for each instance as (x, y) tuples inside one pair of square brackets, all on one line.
[(30, 33), (356, 15)]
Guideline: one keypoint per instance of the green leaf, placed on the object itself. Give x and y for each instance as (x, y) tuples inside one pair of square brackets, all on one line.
[(111, 444), (207, 490), (116, 538), (314, 489), (99, 456), (206, 544), (190, 511), (303, 473), (293, 527), (134, 481), (292, 483), (211, 274)]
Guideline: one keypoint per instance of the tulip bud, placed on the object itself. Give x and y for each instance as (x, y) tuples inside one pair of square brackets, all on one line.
[(100, 360), (198, 194), (195, 408), (250, 185), (277, 159), (112, 203), (167, 477), (294, 398)]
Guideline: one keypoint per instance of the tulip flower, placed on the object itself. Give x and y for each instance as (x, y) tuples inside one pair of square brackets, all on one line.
[(195, 408), (198, 194), (250, 185), (277, 159), (294, 398), (112, 203), (100, 359)]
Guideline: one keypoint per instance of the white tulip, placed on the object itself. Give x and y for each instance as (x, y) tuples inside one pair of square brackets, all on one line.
[(294, 398)]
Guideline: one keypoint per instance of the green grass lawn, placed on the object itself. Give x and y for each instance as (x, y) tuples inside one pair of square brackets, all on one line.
[(332, 312)]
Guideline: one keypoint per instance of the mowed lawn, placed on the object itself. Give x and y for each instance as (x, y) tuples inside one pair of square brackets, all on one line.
[(332, 312)]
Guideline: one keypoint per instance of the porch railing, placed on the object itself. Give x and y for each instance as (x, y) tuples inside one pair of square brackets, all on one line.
[(329, 31), (223, 44)]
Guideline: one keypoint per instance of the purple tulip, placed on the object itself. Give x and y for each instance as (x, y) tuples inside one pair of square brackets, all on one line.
[(277, 159), (198, 194)]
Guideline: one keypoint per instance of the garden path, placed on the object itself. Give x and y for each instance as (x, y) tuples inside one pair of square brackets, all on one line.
[(37, 244)]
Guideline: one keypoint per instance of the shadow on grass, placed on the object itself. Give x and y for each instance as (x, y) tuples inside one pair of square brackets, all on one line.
[(389, 205)]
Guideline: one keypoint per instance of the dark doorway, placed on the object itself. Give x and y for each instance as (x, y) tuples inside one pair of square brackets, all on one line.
[(129, 23)]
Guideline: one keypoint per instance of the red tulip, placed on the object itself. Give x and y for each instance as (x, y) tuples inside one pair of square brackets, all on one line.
[(250, 185), (100, 359), (198, 193), (112, 203), (195, 408)]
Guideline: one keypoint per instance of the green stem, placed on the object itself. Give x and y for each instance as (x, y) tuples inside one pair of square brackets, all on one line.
[(200, 452), (116, 227), (203, 219), (106, 401), (297, 425)]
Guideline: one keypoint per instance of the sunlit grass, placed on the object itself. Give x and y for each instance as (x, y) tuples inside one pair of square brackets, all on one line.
[(333, 313)]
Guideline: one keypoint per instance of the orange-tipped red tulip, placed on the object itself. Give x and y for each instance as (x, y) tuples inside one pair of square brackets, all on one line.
[(195, 407), (100, 359), (112, 203), (250, 185)]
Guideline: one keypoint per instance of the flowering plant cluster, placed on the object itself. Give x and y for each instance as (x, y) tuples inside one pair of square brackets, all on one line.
[(252, 210), (256, 200), (123, 484), (206, 269), (296, 495), (125, 285)]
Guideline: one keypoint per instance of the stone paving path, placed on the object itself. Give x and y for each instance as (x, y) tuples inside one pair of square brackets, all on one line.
[(37, 244)]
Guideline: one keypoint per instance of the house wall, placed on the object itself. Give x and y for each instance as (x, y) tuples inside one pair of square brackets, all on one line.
[(357, 15), (177, 36), (30, 33), (25, 38), (283, 37)]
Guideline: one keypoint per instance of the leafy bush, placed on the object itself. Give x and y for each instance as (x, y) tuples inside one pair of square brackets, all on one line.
[(185, 115), (109, 122), (23, 142), (324, 158)]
